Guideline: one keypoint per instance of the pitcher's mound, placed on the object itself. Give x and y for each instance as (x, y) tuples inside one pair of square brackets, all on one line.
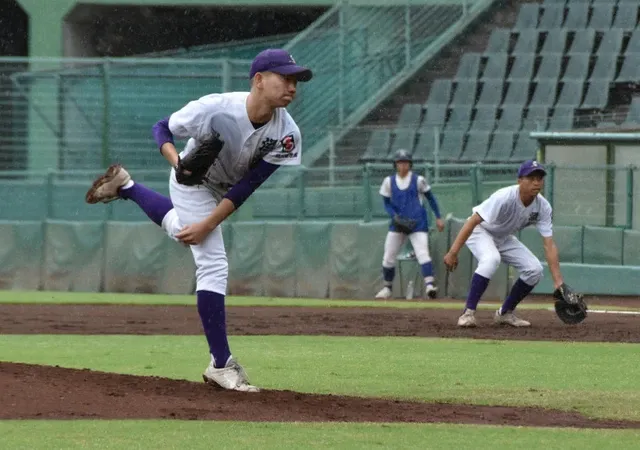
[(46, 392)]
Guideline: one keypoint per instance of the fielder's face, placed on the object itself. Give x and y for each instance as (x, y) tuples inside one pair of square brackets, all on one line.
[(532, 184), (278, 90), (403, 167)]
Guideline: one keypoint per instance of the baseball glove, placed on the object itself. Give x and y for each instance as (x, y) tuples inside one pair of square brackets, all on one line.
[(191, 170), (403, 225), (570, 306)]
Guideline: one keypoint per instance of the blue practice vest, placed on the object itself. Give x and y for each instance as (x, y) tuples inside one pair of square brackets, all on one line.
[(407, 203)]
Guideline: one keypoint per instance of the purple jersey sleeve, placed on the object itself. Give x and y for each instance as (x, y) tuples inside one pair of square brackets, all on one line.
[(161, 132), (243, 189)]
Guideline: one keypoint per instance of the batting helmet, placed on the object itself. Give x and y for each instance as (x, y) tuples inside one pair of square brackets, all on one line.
[(402, 155)]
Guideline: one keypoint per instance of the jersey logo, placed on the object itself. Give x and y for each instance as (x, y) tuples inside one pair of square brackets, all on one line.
[(267, 145), (533, 218), (288, 143)]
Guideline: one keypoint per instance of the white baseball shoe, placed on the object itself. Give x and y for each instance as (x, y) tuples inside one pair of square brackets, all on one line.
[(430, 290), (467, 319), (232, 376), (105, 188), (509, 318), (384, 293)]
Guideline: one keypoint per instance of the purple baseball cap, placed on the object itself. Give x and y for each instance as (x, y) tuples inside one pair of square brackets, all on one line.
[(279, 61), (530, 166)]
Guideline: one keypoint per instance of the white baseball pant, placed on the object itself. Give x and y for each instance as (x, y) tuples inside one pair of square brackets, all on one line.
[(394, 241), (192, 204), (489, 252)]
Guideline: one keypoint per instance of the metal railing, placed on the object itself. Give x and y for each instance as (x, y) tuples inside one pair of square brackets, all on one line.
[(580, 195)]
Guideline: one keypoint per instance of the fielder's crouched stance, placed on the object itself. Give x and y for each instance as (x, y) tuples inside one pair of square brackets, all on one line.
[(489, 234), (236, 141), (403, 200)]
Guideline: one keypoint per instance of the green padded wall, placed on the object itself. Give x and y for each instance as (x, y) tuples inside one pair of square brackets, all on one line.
[(343, 261), (313, 246), (370, 247), (246, 258), (21, 250), (284, 258), (631, 248), (279, 258), (74, 256), (602, 245)]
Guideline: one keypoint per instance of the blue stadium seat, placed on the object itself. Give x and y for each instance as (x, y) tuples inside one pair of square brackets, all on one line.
[(555, 42), (527, 42), (499, 42), (602, 16), (552, 17), (571, 94), (527, 16), (440, 92)]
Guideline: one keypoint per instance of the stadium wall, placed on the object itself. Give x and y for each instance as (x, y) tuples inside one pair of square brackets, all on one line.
[(316, 259)]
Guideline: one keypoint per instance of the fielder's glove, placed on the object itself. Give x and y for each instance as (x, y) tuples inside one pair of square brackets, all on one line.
[(403, 225), (191, 170), (570, 306)]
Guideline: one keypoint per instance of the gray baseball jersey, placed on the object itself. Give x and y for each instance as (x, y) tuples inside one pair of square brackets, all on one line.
[(277, 142)]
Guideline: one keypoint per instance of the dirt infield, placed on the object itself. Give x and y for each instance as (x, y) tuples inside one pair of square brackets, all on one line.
[(184, 320), (32, 391), (40, 392)]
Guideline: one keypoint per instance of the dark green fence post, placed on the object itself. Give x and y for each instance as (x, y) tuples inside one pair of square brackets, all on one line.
[(50, 178), (106, 112), (366, 185), (630, 187), (551, 174), (475, 185), (301, 188)]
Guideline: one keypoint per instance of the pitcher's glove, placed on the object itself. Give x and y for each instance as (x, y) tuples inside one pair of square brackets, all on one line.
[(192, 169), (570, 306), (403, 225)]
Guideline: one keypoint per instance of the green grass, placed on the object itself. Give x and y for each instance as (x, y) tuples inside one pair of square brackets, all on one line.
[(237, 435), (159, 299), (595, 378)]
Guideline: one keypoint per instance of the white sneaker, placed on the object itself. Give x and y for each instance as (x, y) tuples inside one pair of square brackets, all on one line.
[(430, 290), (232, 376), (384, 293), (509, 318), (467, 319), (105, 188)]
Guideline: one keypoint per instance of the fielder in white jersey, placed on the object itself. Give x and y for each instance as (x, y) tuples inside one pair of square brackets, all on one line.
[(257, 135), (403, 194), (490, 235)]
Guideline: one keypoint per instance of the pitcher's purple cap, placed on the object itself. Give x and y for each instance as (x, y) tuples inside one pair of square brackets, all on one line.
[(279, 61), (530, 166)]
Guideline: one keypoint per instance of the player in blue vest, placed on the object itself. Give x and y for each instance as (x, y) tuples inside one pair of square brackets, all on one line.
[(404, 195)]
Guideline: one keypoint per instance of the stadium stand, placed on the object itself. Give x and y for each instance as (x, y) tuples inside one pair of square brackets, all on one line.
[(560, 62)]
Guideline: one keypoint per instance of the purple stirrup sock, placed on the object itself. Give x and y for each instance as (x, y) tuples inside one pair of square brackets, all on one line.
[(518, 292), (154, 205), (478, 286), (388, 273), (212, 315)]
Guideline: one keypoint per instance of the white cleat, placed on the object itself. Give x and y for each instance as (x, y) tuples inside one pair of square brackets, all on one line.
[(105, 188), (509, 318), (467, 319), (430, 291), (385, 293), (232, 376)]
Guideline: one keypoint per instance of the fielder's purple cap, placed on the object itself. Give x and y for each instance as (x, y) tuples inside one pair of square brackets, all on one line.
[(530, 166), (279, 61)]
